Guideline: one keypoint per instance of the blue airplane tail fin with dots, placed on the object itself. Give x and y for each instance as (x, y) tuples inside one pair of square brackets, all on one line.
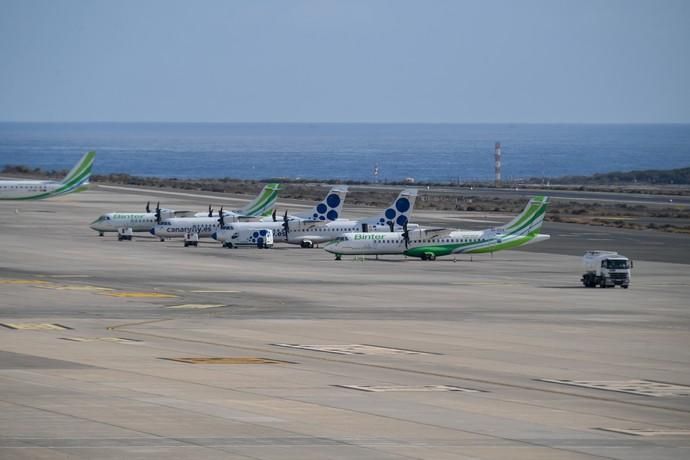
[(398, 213), (328, 209)]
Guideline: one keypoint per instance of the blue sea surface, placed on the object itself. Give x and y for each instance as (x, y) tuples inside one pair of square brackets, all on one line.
[(426, 152)]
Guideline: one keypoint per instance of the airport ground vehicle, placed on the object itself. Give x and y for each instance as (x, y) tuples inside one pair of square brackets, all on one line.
[(191, 239), (606, 268), (124, 233), (260, 238)]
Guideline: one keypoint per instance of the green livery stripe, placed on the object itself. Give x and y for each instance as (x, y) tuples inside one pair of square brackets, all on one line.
[(263, 202), (536, 203), (472, 248), (84, 165), (540, 212), (513, 243), (74, 181), (522, 231)]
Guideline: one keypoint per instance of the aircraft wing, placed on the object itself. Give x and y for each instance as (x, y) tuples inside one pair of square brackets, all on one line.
[(435, 232), (312, 224), (249, 218), (185, 213)]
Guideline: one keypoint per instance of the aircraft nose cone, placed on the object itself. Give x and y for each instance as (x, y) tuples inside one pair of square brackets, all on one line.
[(153, 231)]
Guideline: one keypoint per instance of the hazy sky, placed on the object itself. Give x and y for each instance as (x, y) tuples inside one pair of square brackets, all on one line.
[(348, 60)]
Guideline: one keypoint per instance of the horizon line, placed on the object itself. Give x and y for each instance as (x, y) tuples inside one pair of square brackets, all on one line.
[(354, 122)]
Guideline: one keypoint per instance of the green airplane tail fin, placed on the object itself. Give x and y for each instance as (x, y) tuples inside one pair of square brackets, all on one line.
[(80, 174), (263, 203), (530, 219)]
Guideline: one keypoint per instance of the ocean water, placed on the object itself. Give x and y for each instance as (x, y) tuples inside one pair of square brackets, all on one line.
[(433, 152)]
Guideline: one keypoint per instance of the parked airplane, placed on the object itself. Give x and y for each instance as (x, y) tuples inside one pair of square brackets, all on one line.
[(309, 233), (328, 209), (428, 244), (75, 181), (145, 221)]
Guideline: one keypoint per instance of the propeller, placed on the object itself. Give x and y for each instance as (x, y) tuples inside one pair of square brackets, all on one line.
[(286, 225), (274, 215), (391, 225), (158, 212), (406, 235), (210, 211), (148, 206), (221, 217)]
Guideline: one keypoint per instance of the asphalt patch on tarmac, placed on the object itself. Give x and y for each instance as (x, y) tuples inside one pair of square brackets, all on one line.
[(10, 360)]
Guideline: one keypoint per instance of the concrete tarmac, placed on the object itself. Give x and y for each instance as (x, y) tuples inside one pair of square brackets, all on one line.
[(147, 349)]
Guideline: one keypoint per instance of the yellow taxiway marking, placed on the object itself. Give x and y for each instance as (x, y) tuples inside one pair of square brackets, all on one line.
[(22, 282), (51, 285), (73, 287), (196, 306), (147, 295), (215, 292), (67, 276), (35, 326), (232, 360)]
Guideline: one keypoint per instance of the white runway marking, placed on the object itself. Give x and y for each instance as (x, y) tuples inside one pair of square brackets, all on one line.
[(635, 387), (383, 388)]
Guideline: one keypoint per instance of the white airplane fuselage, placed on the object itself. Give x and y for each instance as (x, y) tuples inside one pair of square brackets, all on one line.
[(178, 227), (137, 221), (301, 231), (26, 189), (75, 181)]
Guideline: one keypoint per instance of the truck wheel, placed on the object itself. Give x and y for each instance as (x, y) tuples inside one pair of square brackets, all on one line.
[(602, 284), (625, 286)]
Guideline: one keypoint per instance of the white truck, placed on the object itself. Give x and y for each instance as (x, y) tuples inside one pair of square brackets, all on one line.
[(124, 234), (236, 237), (606, 268), (191, 239)]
